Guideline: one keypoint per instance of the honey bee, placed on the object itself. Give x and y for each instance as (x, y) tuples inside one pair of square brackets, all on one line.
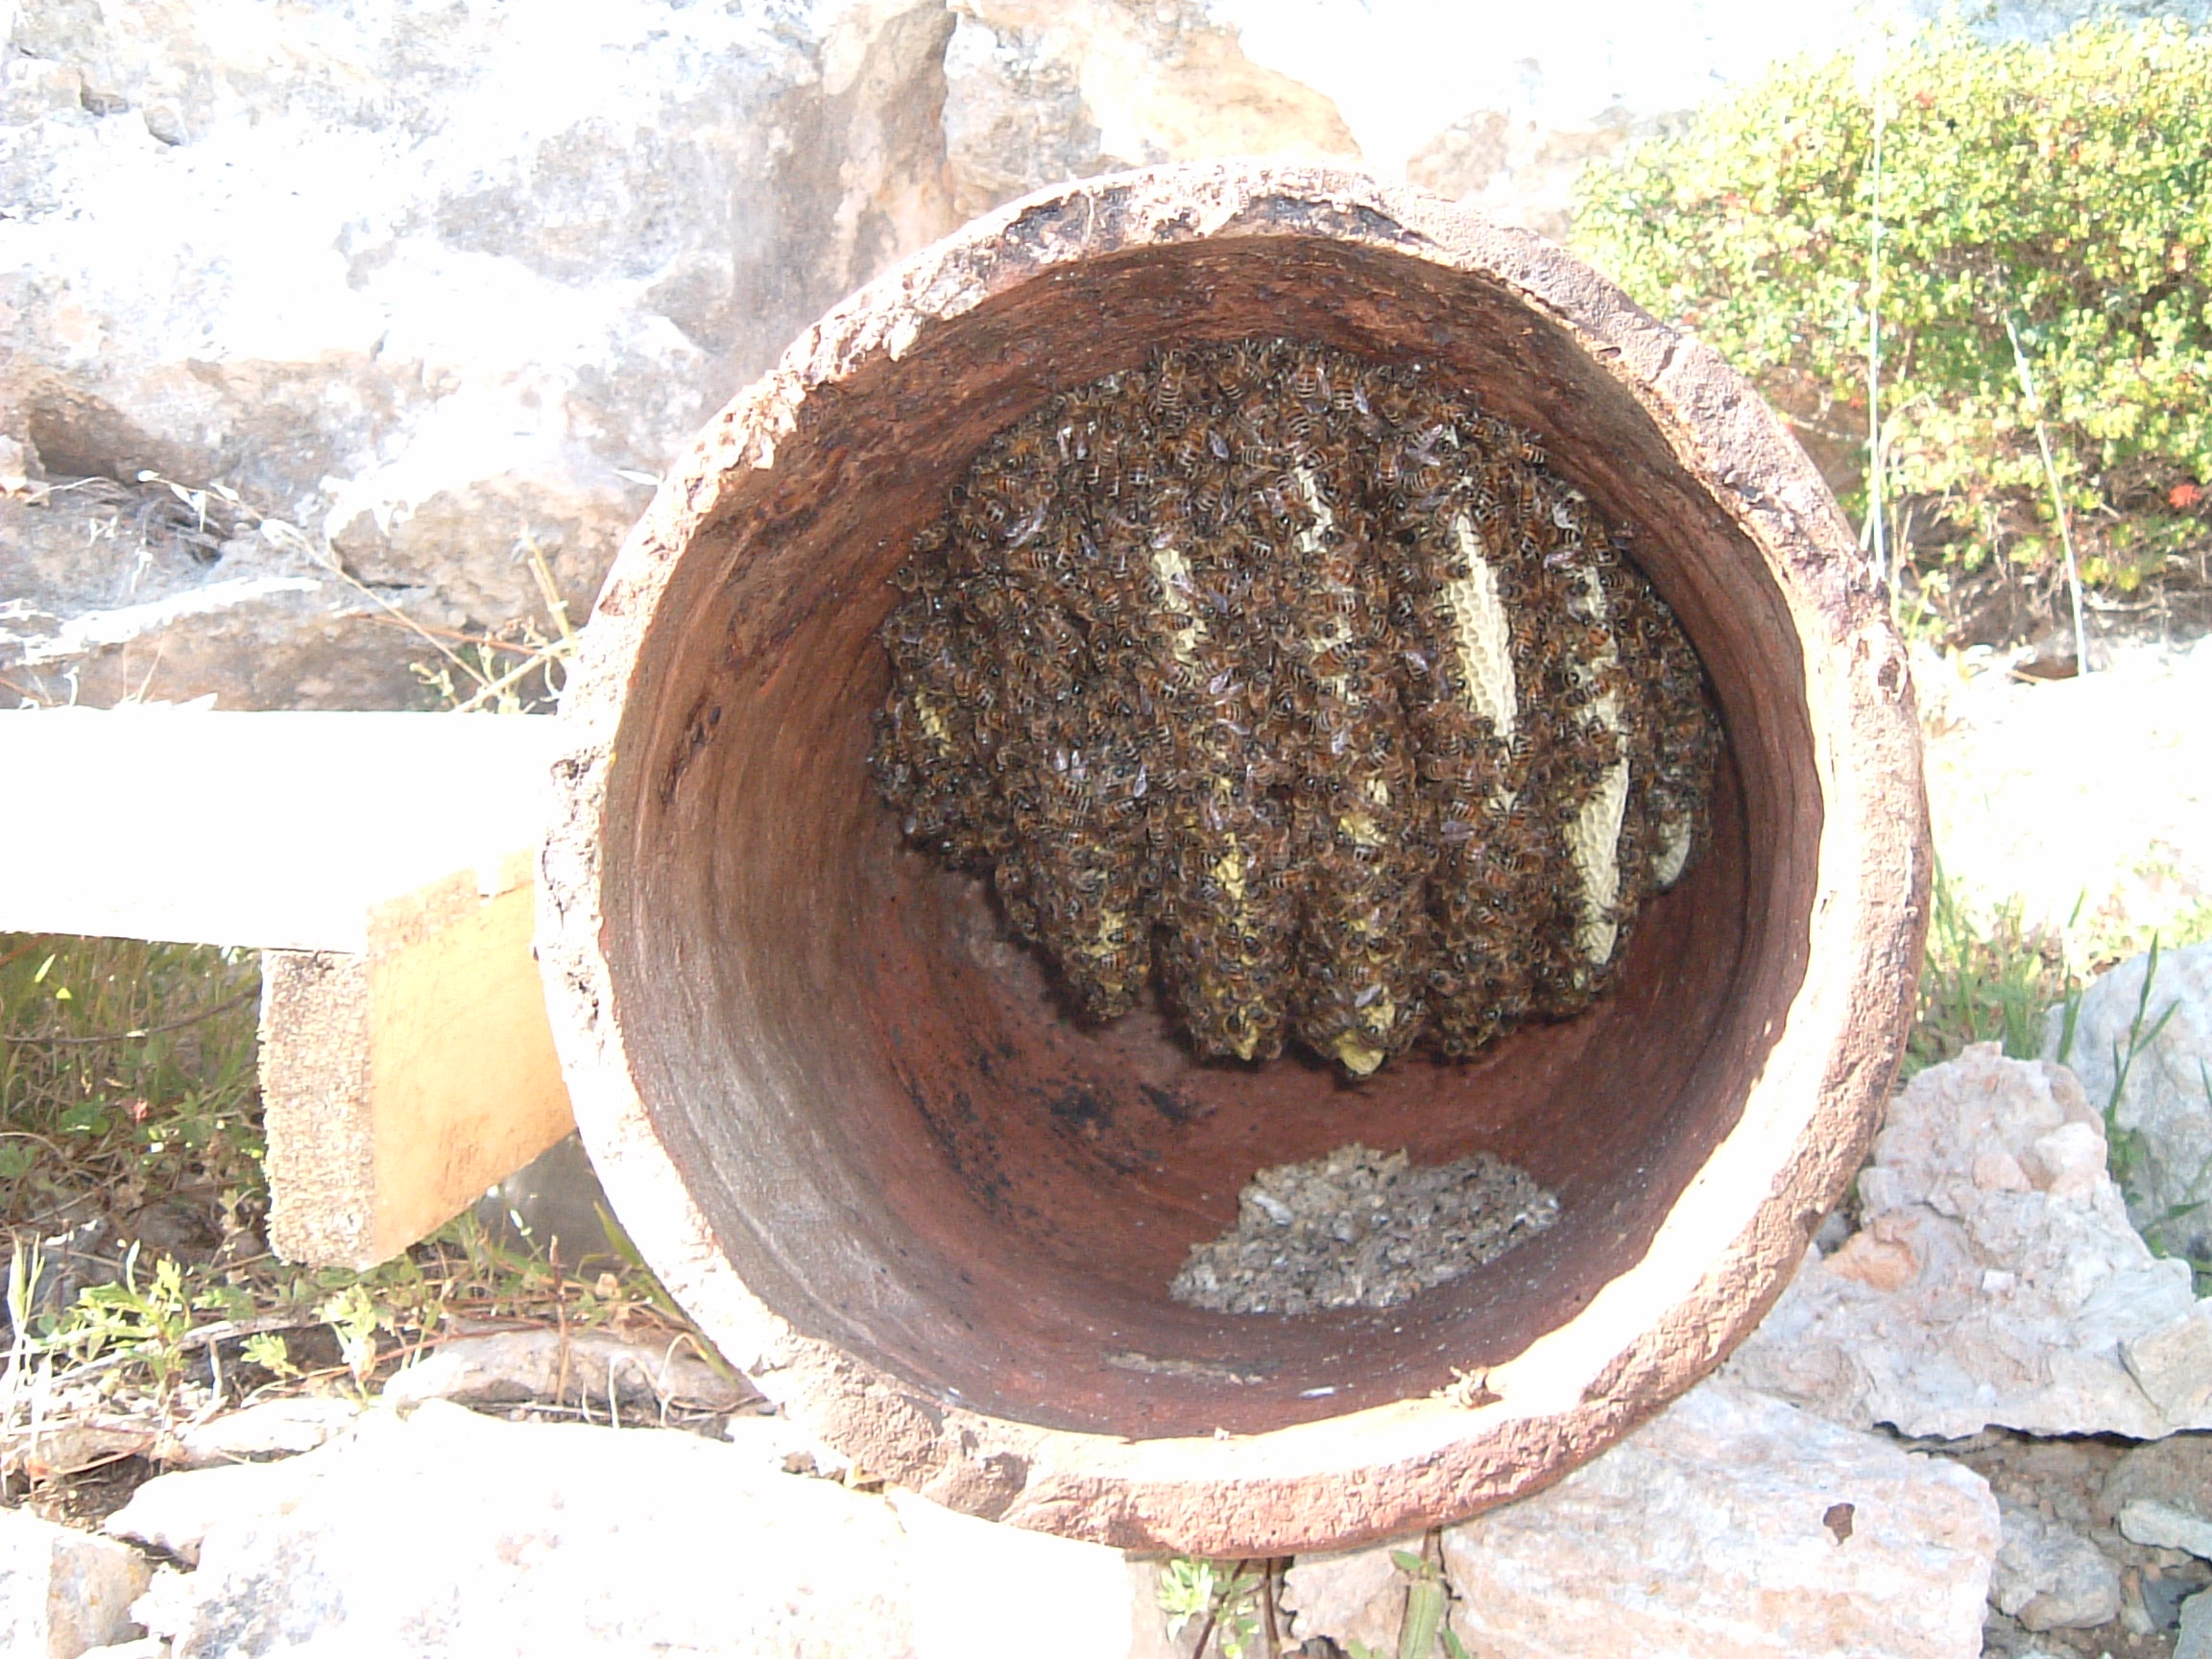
[(1293, 684)]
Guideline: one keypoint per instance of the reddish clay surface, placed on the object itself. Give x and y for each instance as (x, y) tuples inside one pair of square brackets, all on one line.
[(849, 1122)]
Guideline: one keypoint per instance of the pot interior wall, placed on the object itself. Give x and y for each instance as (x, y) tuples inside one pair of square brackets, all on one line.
[(904, 1143)]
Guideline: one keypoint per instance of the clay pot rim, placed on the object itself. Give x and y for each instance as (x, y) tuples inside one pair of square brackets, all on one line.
[(1732, 1239)]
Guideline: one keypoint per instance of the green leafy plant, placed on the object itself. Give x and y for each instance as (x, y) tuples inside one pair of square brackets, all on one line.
[(354, 1319), (268, 1350), (128, 1092), (1221, 1598), (147, 1319), (1423, 1627), (517, 668), (2059, 185), (126, 1074)]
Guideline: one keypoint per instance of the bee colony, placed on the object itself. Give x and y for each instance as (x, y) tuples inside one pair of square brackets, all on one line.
[(1295, 683)]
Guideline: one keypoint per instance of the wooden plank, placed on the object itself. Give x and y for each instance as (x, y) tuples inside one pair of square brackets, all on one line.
[(399, 1084), (383, 864)]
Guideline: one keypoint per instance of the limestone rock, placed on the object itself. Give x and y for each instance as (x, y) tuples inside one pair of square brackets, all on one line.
[(273, 1428), (546, 1364), (443, 1532), (1994, 1277), (2147, 1520), (2049, 1577), (2173, 1366), (175, 1513), (62, 1591), (2165, 1111), (425, 284), (2195, 1639), (1514, 167), (2175, 1473), (448, 1533), (1044, 90), (983, 1591), (1732, 1525)]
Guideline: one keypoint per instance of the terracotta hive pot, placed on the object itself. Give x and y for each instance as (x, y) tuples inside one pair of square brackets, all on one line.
[(843, 1117)]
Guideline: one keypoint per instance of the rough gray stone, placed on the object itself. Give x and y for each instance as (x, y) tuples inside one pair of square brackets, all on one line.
[(983, 1591), (2049, 1577), (2176, 1472), (273, 1428), (1731, 1525), (2147, 1520), (2165, 1112), (1348, 1596), (2193, 1640), (175, 1513), (447, 1533), (422, 282), (548, 1365), (1805, 1539), (1518, 169), (2173, 1366), (1044, 90), (2162, 1597), (62, 1591), (1994, 1277)]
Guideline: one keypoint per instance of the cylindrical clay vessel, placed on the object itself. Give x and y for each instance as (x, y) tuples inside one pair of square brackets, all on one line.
[(843, 1115)]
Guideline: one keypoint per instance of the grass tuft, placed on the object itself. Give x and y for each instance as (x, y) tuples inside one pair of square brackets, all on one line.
[(140, 1287), (1988, 978)]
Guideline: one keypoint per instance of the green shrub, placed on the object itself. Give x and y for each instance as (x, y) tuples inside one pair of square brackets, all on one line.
[(2063, 185)]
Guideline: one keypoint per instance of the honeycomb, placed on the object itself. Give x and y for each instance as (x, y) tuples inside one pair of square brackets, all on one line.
[(1299, 685)]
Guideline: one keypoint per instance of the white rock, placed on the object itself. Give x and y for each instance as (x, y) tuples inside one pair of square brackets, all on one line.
[(2176, 1472), (2049, 1577), (1042, 90), (2167, 1105), (1972, 1296), (62, 1591), (2066, 1163), (536, 1364), (2147, 1520), (2193, 1640), (419, 279), (1731, 1525), (988, 1591), (447, 1533), (272, 1428), (1519, 170), (173, 1513), (2173, 1364), (443, 1533)]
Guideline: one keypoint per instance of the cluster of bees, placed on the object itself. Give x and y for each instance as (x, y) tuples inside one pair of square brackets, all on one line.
[(1297, 682)]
